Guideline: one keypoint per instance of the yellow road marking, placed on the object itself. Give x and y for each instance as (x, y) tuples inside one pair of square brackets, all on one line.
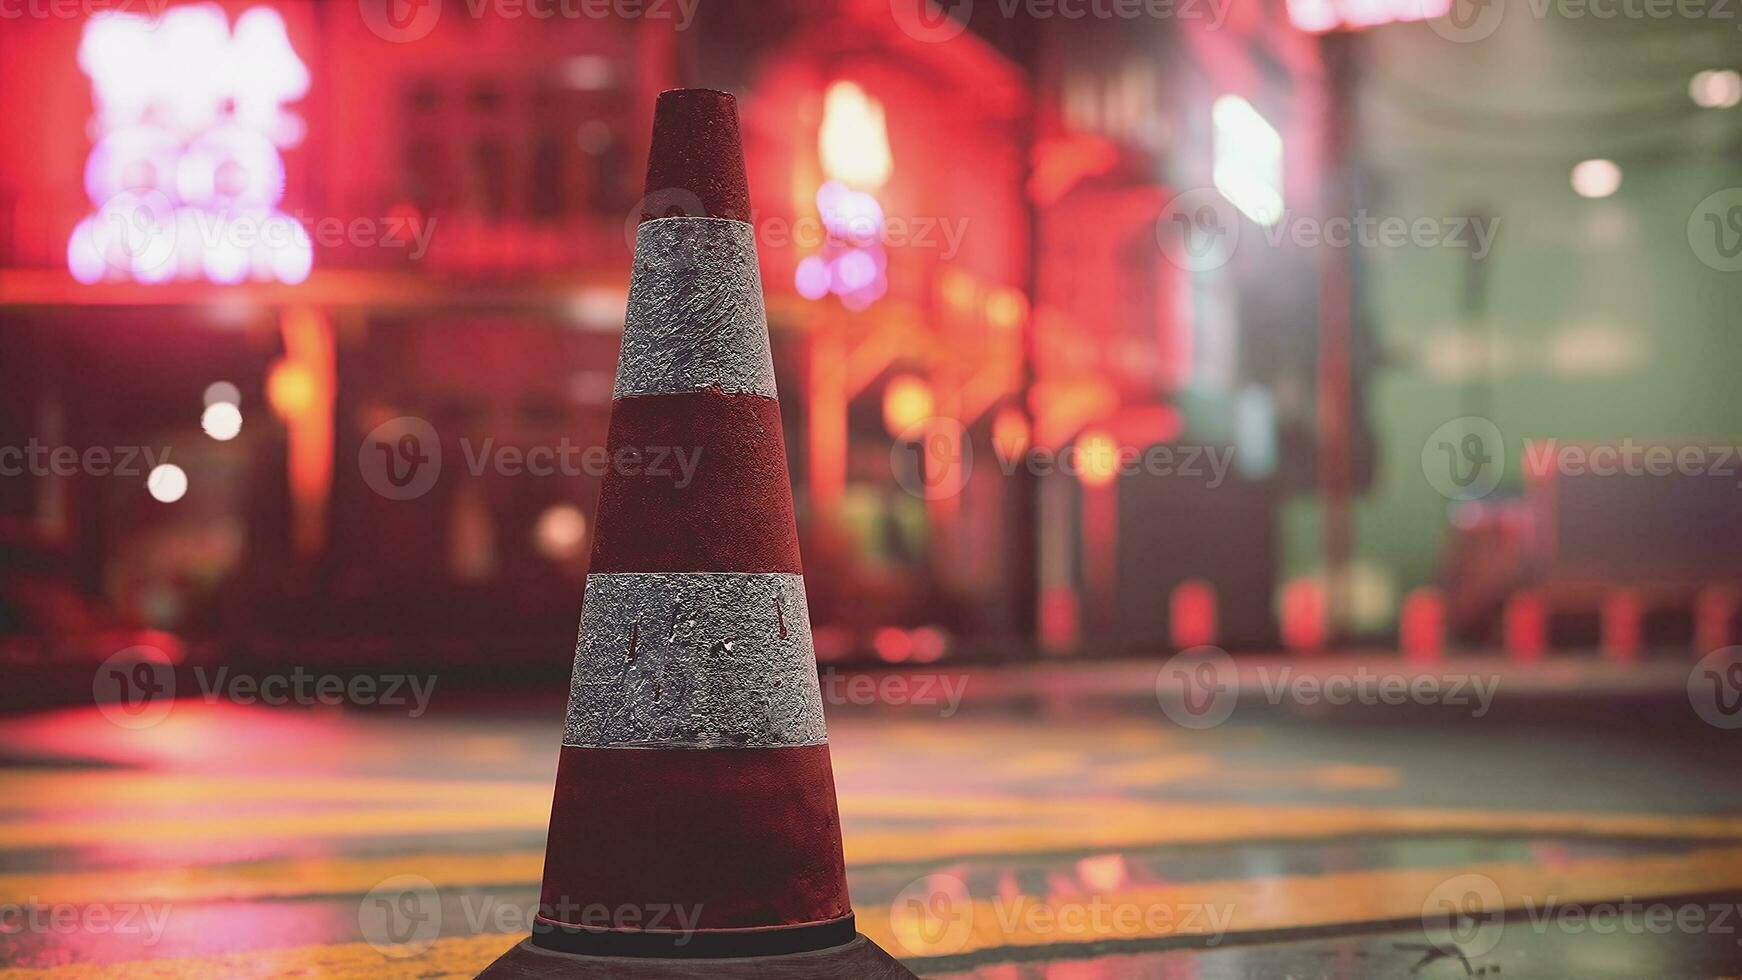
[(252, 880), (957, 827), (460, 958), (1261, 904), (1267, 904), (133, 790), (975, 825)]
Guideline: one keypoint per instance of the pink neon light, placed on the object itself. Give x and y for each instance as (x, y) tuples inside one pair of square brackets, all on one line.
[(185, 173), (1322, 16)]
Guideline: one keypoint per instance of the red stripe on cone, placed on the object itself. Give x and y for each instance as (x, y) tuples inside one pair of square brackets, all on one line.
[(696, 149), (734, 515), (745, 838)]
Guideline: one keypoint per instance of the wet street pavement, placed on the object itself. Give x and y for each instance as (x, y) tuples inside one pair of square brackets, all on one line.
[(1572, 819)]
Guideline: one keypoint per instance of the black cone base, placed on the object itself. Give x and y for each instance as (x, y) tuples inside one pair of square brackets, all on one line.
[(860, 959)]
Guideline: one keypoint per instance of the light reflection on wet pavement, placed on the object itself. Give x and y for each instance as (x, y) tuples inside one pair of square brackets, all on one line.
[(1057, 826)]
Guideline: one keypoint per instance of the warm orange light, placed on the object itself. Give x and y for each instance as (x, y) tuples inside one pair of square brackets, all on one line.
[(1010, 433), (853, 142), (560, 532), (1097, 459), (906, 403), (1006, 308), (957, 288), (301, 388), (1104, 872), (291, 389)]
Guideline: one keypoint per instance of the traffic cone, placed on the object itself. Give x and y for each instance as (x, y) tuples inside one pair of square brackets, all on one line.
[(694, 831)]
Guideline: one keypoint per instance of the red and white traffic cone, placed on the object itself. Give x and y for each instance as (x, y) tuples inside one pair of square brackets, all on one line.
[(694, 831)]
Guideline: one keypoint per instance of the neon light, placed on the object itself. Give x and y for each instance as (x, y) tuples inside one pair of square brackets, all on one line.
[(906, 403), (854, 148), (853, 141), (185, 174), (1323, 16), (1248, 159)]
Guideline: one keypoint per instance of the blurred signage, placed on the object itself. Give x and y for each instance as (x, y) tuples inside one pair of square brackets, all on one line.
[(1323, 16), (185, 175)]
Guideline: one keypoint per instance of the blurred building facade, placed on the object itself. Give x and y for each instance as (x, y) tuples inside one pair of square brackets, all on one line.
[(995, 259)]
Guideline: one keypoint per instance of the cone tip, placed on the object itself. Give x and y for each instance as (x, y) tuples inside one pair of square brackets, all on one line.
[(696, 164)]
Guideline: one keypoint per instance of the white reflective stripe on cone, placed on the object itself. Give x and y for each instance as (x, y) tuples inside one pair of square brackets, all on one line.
[(695, 311), (694, 660)]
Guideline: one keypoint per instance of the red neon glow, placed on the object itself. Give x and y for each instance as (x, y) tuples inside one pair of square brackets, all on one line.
[(893, 644), (1622, 615), (1421, 629), (1526, 627), (1060, 618), (1322, 16), (185, 173), (1303, 615), (1714, 610), (854, 149), (1192, 615)]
